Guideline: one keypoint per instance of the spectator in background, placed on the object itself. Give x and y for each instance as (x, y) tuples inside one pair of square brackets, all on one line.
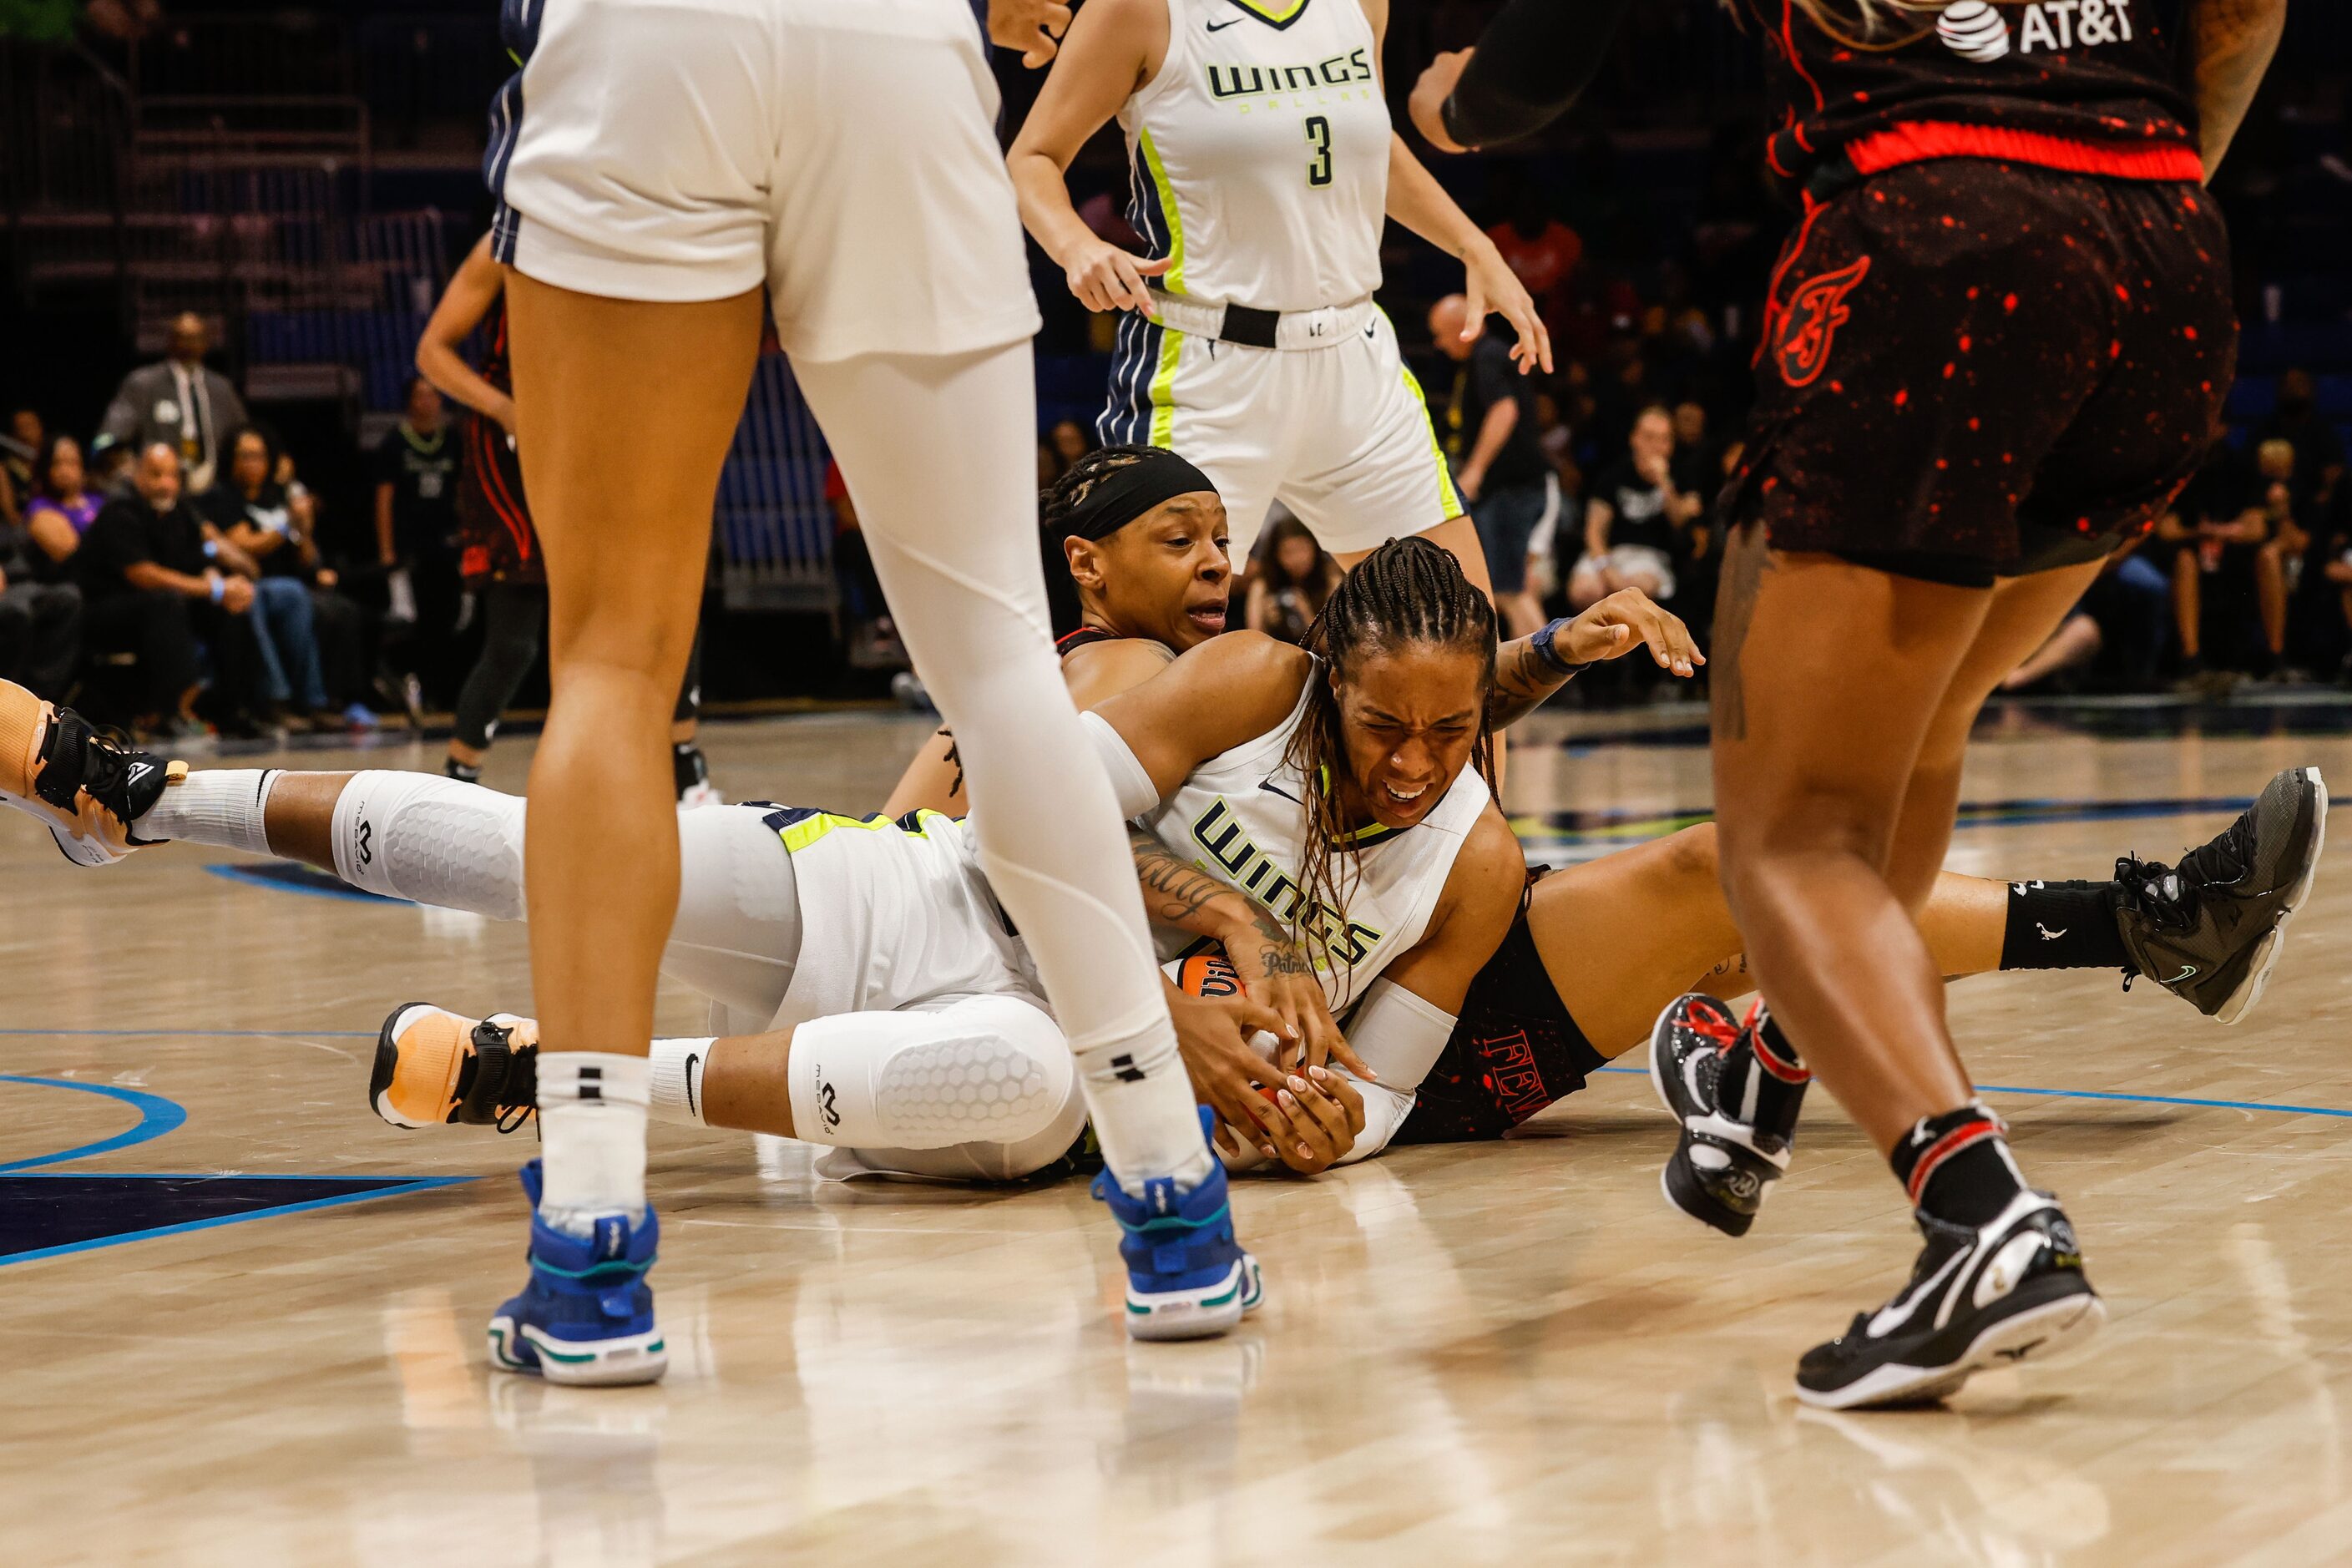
[(872, 640), (180, 400), (1070, 441), (1540, 248), (40, 617), (2318, 455), (278, 531), (416, 468), (61, 504), (27, 435), (1635, 519), (1295, 577), (163, 585), (2223, 579), (1491, 440), (1698, 472)]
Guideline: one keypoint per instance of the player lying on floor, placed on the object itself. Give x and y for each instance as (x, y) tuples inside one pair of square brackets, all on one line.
[(902, 1023), (1569, 990)]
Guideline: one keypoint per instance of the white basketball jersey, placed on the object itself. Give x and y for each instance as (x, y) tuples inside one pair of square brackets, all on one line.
[(1259, 155), (1241, 817)]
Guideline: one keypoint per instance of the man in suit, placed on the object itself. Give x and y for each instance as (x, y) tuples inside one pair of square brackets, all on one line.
[(179, 401)]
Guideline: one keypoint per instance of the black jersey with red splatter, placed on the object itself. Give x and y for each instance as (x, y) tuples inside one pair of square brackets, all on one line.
[(493, 513), (2089, 85)]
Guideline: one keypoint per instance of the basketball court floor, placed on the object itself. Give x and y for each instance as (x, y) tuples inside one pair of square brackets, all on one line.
[(242, 1318)]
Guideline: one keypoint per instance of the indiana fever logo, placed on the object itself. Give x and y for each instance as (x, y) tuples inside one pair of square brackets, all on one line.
[(1811, 320)]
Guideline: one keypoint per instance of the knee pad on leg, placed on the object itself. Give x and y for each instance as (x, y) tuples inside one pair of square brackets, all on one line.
[(990, 1070), (433, 841)]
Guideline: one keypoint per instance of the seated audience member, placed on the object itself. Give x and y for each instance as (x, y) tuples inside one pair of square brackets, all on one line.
[(2222, 576), (1294, 577), (61, 504), (2296, 419), (26, 439), (2113, 635), (40, 617), (1070, 441), (1635, 519), (164, 586), (255, 512)]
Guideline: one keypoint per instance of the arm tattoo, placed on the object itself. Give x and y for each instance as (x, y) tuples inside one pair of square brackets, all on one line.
[(1522, 679), (1745, 558), (1173, 893)]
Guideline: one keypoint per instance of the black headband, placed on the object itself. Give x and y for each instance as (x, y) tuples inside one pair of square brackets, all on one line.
[(1126, 492)]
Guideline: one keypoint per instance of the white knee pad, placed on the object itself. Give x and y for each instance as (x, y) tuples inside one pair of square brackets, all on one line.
[(983, 1070), (432, 841)]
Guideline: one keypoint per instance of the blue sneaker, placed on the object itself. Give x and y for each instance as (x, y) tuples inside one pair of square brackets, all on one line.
[(587, 1315), (1187, 1277)]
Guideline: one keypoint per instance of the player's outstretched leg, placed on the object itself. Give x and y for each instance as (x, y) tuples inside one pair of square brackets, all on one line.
[(85, 788), (2211, 929), (432, 1067)]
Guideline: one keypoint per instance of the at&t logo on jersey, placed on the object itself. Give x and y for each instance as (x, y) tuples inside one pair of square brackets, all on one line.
[(1976, 31), (1257, 81)]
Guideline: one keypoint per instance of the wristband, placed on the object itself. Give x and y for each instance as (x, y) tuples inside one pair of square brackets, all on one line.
[(220, 586), (212, 549), (1542, 642)]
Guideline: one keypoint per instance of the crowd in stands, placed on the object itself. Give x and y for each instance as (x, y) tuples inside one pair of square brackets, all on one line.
[(169, 574)]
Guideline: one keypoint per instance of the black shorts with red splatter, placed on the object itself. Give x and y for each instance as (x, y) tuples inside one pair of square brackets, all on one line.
[(1973, 368), (1514, 1050)]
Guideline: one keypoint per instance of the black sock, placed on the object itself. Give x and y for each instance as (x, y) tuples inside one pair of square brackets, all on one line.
[(687, 765), (463, 773), (2061, 925), (1957, 1166), (1777, 1076)]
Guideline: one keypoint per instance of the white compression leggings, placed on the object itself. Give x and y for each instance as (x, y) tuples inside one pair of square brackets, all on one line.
[(939, 453), (870, 1082)]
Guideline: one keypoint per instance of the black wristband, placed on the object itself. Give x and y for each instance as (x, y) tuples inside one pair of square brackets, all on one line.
[(1542, 642)]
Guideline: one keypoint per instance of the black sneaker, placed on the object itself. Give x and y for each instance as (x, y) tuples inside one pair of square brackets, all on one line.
[(2211, 929), (1978, 1297), (1723, 1167), (84, 787)]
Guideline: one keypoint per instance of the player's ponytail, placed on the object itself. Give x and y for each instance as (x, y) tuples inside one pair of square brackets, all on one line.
[(1408, 592)]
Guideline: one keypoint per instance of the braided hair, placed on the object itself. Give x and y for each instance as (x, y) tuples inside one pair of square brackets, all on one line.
[(1061, 498), (1409, 591)]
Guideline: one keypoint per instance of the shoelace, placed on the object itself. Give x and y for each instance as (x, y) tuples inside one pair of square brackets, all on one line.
[(1705, 1019)]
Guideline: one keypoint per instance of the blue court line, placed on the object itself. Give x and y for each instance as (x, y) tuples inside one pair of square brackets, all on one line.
[(412, 1184), (157, 1116), (266, 875), (2131, 1099)]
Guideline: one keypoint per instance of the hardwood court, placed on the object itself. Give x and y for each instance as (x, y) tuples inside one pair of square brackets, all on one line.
[(1510, 1353)]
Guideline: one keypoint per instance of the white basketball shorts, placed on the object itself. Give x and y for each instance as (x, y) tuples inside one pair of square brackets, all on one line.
[(843, 154), (1339, 435)]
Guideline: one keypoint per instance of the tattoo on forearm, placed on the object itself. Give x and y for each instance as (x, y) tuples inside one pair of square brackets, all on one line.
[(1173, 893), (1522, 679), (1747, 556)]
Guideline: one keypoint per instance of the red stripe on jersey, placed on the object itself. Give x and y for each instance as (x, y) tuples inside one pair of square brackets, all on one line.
[(1083, 638), (1943, 1149), (1916, 144)]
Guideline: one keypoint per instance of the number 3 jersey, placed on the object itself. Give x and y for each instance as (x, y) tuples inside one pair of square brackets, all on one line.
[(1259, 154)]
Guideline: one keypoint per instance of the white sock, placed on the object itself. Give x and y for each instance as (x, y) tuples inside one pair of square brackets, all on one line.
[(220, 806), (1141, 1104), (677, 1069), (592, 1128)]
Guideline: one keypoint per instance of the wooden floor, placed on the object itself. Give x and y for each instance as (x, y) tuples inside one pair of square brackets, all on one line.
[(1504, 1354)]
